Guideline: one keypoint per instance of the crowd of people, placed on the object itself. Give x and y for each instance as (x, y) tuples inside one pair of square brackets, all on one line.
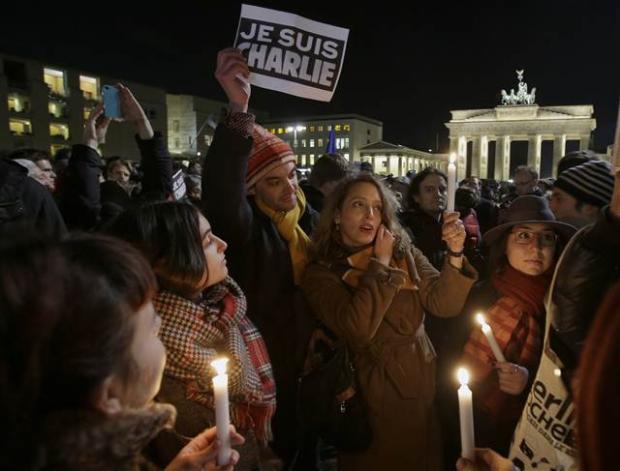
[(117, 292)]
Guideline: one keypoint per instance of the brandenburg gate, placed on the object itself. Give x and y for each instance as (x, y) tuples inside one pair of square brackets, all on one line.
[(518, 118)]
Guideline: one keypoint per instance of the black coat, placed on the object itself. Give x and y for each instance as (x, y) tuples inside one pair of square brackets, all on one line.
[(24, 202), (80, 195), (588, 268), (259, 260)]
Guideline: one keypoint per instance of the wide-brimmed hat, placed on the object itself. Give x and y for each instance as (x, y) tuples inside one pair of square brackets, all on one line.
[(528, 209)]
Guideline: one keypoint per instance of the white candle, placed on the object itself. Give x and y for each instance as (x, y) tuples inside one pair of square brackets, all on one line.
[(488, 333), (222, 414), (615, 158), (466, 416), (451, 182)]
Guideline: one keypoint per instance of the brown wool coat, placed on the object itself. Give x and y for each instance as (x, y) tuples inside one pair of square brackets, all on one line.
[(379, 321)]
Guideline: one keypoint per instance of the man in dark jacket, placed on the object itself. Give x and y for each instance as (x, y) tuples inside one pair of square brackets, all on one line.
[(25, 202), (325, 175), (252, 200)]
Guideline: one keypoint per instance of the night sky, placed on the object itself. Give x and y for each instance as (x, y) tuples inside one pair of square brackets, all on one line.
[(407, 66)]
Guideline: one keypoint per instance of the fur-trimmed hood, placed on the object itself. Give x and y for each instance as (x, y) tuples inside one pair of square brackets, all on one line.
[(86, 440)]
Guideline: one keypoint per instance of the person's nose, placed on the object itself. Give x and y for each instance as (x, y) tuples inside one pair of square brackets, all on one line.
[(221, 244)]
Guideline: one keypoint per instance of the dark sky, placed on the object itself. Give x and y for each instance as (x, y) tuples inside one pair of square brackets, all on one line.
[(407, 65)]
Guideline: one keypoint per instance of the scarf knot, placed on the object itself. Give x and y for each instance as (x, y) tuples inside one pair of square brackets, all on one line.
[(287, 224)]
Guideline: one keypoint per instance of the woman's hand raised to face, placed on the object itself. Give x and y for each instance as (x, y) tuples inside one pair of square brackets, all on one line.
[(384, 245), (233, 74)]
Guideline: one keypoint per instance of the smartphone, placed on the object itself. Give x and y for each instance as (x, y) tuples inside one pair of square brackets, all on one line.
[(111, 101)]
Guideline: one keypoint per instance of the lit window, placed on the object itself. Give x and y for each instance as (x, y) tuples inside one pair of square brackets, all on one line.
[(89, 87), (346, 142), (338, 128), (54, 148), (20, 127), (55, 109), (311, 128), (16, 104), (59, 130), (273, 130), (329, 128), (320, 128), (55, 80), (303, 143), (280, 131), (346, 156), (311, 142), (311, 159), (87, 111), (208, 139), (346, 127)]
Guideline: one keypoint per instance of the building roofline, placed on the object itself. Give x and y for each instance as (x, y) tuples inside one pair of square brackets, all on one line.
[(326, 117)]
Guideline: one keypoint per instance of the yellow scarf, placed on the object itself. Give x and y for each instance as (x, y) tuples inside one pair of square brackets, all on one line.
[(288, 227), (359, 264)]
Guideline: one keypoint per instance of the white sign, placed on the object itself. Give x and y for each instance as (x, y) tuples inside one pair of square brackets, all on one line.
[(291, 54), (178, 185)]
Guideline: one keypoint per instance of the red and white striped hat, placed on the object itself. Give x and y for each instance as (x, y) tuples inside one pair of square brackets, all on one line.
[(268, 152)]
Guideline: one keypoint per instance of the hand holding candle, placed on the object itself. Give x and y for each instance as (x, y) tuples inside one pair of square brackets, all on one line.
[(451, 182), (222, 413), (466, 415), (488, 333)]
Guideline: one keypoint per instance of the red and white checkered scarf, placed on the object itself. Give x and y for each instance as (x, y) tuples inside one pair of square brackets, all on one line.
[(196, 334)]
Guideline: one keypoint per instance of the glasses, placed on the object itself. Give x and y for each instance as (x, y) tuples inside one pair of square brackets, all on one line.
[(545, 239)]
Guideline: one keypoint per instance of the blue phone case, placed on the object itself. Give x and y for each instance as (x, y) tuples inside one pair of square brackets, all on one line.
[(111, 101)]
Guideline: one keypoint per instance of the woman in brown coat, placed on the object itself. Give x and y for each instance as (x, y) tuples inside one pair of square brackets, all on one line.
[(371, 287)]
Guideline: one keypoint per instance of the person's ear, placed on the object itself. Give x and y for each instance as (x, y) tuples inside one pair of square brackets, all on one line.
[(107, 397)]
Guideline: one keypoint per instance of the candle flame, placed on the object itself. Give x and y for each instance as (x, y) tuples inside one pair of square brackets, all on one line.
[(463, 376), (220, 365), (452, 158), (480, 319)]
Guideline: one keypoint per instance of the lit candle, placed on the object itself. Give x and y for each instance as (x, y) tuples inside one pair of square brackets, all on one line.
[(488, 333), (451, 182), (222, 414), (466, 416)]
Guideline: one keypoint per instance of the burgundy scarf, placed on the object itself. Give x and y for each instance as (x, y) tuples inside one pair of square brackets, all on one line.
[(516, 319)]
